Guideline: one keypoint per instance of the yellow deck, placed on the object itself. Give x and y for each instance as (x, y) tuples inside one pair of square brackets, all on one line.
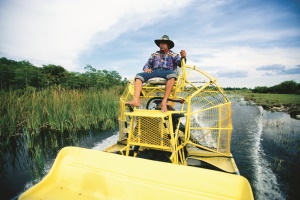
[(79, 173)]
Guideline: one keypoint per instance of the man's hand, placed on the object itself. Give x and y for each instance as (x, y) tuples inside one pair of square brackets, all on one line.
[(148, 70), (183, 53)]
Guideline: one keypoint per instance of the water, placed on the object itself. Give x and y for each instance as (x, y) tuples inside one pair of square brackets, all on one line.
[(249, 154), (258, 141), (265, 146), (20, 168)]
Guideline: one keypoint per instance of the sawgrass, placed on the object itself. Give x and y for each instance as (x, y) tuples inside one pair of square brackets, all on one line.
[(31, 112)]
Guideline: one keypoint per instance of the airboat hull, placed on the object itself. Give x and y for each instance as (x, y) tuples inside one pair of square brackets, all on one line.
[(79, 173), (192, 139)]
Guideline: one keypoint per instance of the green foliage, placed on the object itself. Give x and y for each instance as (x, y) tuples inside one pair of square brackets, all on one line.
[(53, 73), (273, 99), (235, 88), (35, 101), (19, 75), (286, 87), (66, 110)]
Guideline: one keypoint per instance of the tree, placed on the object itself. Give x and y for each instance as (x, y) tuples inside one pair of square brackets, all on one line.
[(261, 89), (7, 73), (91, 75), (54, 73), (19, 75), (286, 87)]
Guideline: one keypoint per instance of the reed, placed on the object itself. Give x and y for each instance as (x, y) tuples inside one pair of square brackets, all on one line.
[(29, 112)]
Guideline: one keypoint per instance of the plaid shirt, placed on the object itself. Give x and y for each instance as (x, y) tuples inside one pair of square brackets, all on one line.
[(170, 60)]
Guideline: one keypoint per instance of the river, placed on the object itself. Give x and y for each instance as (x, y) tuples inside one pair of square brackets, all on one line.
[(265, 145), (266, 149)]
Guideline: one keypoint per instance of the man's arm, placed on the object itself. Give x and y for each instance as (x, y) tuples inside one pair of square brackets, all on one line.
[(183, 56), (149, 65)]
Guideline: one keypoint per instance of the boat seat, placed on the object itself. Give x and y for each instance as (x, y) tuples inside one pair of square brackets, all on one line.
[(157, 81), (162, 81)]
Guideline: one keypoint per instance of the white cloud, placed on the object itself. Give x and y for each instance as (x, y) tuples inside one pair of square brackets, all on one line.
[(58, 31), (225, 37), (245, 57), (242, 63)]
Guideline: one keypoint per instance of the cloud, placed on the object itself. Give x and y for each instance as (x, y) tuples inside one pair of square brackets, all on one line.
[(232, 74), (226, 38), (277, 69), (295, 70), (274, 67), (59, 31)]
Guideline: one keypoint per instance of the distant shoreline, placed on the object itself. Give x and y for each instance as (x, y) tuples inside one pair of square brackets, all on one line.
[(288, 103)]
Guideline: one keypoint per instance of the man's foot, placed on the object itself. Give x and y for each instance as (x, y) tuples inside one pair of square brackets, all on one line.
[(164, 106), (134, 103)]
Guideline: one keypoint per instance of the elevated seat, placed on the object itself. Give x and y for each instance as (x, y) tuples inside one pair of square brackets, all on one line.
[(162, 81), (157, 81)]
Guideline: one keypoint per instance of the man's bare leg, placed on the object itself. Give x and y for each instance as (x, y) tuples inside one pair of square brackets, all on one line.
[(169, 86), (137, 91)]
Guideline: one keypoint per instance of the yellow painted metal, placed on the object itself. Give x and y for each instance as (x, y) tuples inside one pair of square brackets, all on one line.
[(147, 128), (200, 137), (79, 173), (207, 119)]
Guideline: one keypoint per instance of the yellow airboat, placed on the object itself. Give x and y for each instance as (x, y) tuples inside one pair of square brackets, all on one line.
[(183, 153)]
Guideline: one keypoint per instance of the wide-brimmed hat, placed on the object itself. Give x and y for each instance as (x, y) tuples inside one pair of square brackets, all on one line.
[(165, 38)]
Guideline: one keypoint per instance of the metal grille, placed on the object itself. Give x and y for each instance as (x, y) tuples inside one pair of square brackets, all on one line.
[(210, 118), (207, 113), (150, 130)]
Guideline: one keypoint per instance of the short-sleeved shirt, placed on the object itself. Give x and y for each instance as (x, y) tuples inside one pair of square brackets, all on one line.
[(169, 60)]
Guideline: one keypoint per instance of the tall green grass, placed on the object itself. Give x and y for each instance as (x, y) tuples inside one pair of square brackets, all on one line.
[(29, 112)]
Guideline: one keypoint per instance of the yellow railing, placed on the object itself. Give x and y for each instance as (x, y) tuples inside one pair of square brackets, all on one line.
[(206, 117)]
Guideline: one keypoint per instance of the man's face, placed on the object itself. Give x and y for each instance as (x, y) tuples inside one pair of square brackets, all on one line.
[(163, 46)]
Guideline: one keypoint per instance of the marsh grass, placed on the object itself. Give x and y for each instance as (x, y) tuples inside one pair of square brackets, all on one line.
[(268, 99), (35, 125), (63, 112), (273, 99)]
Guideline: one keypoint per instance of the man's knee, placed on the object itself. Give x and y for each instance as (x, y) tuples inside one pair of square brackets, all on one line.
[(139, 77), (171, 76)]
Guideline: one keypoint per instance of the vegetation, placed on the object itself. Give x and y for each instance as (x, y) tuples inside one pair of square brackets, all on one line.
[(287, 87), (283, 97), (46, 104), (64, 110), (273, 99), (20, 75)]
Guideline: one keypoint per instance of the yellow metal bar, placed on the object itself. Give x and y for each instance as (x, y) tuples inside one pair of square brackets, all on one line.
[(139, 130), (220, 127), (230, 125), (151, 146), (129, 136), (209, 149)]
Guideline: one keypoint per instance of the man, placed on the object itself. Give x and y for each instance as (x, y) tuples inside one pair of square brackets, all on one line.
[(160, 64)]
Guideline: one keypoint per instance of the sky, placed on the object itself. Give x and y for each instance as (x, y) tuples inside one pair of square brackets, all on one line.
[(242, 43)]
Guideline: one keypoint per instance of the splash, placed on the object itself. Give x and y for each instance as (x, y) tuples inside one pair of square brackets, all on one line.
[(101, 145), (265, 181)]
